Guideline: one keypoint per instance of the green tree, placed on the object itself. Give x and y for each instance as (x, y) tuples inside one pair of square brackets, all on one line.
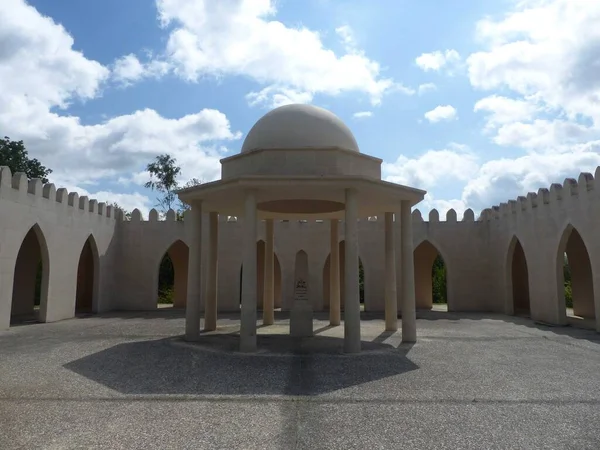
[(183, 207), (166, 280), (14, 155), (439, 281), (163, 177), (568, 283), (126, 214)]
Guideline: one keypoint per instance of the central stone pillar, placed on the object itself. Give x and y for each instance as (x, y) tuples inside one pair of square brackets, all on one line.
[(334, 274), (194, 290), (409, 313), (301, 319), (210, 309), (391, 301), (269, 283), (352, 292), (248, 314)]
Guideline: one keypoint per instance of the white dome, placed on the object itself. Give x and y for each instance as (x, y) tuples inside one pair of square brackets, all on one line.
[(299, 126)]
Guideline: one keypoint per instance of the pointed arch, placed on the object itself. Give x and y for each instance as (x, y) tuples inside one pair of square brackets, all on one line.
[(342, 265), (574, 271), (31, 276), (431, 275), (260, 277), (88, 270), (172, 274), (517, 279)]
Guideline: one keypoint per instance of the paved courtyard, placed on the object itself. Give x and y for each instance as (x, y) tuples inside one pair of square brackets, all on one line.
[(128, 381)]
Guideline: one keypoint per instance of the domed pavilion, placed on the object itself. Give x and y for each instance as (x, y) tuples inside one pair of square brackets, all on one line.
[(301, 162)]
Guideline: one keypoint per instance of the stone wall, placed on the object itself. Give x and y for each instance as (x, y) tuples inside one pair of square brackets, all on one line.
[(478, 253), (58, 224)]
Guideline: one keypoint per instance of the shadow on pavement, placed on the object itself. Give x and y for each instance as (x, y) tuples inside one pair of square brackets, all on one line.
[(283, 366)]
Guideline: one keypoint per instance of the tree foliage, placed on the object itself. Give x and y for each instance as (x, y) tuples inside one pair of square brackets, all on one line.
[(166, 280), (14, 155), (183, 207), (438, 272), (163, 178), (568, 283)]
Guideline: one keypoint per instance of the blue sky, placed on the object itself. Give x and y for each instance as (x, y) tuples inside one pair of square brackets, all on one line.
[(476, 102)]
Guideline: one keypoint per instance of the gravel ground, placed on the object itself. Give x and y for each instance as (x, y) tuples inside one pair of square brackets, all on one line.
[(129, 381)]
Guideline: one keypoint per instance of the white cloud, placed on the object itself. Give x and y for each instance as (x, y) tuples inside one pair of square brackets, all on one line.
[(243, 38), (435, 61), (544, 56), (38, 64), (347, 36), (426, 87), (442, 206), (505, 179), (273, 97), (128, 69), (441, 112), (547, 52), (40, 71), (454, 163), (362, 114), (504, 110)]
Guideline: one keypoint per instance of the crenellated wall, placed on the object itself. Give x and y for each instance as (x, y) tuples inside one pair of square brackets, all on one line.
[(478, 253), (62, 222), (543, 223)]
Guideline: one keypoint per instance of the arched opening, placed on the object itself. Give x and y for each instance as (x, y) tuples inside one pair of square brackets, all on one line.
[(172, 276), (519, 279), (342, 265), (574, 275), (260, 277), (86, 277), (30, 280), (430, 278)]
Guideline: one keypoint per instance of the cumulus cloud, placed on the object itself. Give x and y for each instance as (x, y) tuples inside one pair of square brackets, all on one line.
[(242, 37), (128, 69), (456, 163), (41, 73), (546, 53), (362, 114), (275, 96), (435, 61), (426, 87), (545, 57), (441, 113), (505, 179)]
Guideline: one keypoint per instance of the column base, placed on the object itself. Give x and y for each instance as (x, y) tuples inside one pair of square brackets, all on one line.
[(301, 320), (248, 344)]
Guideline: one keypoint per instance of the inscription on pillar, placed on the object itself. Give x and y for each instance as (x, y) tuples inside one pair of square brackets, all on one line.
[(300, 292)]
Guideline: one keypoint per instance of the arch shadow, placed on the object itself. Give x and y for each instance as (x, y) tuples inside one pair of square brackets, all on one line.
[(573, 246), (88, 278), (517, 300), (425, 255), (171, 275), (31, 275)]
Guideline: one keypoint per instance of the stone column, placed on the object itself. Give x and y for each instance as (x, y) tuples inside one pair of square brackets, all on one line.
[(192, 307), (352, 294), (210, 308), (391, 301), (409, 315), (334, 275), (269, 284), (248, 314)]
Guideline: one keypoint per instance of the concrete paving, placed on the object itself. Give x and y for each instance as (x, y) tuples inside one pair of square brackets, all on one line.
[(128, 381)]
